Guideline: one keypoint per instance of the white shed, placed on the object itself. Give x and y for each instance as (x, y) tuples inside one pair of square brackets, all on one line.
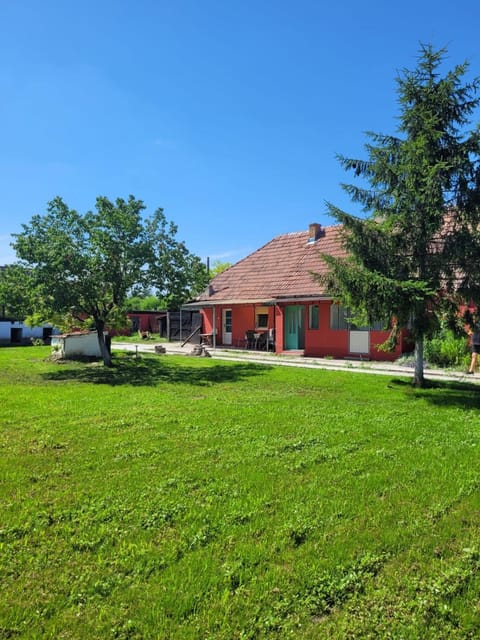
[(71, 345), (15, 332)]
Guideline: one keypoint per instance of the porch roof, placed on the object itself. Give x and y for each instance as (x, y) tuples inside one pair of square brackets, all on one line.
[(214, 303), (260, 301)]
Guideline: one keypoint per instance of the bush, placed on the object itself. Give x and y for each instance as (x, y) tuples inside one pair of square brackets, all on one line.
[(447, 350)]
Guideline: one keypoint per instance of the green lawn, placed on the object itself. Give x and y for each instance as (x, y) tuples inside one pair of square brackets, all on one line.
[(181, 498), (136, 338)]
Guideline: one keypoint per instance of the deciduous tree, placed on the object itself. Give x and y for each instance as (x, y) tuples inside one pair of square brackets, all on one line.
[(176, 275), (219, 267), (85, 265)]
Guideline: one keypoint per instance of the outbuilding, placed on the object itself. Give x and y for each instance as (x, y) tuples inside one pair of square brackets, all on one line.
[(15, 332), (78, 344)]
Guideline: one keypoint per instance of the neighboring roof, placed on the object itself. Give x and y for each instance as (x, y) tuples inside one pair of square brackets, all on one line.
[(278, 270)]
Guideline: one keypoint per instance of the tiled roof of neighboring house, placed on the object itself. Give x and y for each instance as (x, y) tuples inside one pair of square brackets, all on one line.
[(279, 269)]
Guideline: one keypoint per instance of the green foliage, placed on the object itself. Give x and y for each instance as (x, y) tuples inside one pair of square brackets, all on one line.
[(82, 267), (251, 502), (407, 250), (174, 273), (16, 292), (446, 349), (219, 267), (371, 294), (139, 303)]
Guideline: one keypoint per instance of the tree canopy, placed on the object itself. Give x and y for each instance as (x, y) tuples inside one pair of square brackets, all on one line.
[(219, 267), (405, 259), (86, 265), (16, 288), (174, 273)]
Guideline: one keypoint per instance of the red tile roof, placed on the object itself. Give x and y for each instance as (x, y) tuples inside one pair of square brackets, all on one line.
[(279, 269)]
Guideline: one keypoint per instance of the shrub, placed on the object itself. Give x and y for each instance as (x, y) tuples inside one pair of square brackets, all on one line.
[(447, 349)]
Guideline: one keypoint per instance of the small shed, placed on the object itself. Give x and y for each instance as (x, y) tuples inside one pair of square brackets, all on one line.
[(78, 344)]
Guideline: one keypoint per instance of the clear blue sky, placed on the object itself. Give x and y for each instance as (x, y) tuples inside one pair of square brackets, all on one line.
[(228, 114)]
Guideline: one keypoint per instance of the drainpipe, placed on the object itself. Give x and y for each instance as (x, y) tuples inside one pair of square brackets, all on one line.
[(275, 325), (214, 327)]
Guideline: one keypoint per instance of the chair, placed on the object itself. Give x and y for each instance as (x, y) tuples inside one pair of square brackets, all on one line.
[(262, 341), (271, 340), (249, 339)]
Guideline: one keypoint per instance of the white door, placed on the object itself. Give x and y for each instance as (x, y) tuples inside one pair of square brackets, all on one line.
[(359, 341), (227, 326)]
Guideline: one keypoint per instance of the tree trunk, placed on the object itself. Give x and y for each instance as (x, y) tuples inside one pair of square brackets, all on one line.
[(418, 379), (106, 356)]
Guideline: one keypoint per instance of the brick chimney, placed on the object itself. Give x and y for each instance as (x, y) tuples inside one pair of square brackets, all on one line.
[(314, 232)]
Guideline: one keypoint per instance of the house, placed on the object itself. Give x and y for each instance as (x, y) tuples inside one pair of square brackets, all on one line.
[(271, 298)]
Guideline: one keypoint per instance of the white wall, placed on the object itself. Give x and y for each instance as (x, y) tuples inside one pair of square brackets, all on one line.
[(25, 332), (80, 344)]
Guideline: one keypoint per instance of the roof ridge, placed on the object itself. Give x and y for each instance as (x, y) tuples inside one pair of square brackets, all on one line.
[(306, 231)]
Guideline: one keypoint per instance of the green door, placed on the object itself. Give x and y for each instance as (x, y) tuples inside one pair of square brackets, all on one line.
[(294, 327)]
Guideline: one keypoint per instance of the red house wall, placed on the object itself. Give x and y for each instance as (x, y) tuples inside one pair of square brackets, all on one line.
[(325, 341), (243, 319), (207, 322), (320, 342)]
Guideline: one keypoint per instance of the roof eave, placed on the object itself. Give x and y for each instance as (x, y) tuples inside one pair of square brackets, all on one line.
[(201, 304)]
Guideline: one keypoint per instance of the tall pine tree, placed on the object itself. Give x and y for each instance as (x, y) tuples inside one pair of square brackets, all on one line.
[(408, 256)]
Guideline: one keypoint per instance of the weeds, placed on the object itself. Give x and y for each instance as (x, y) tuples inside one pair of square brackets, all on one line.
[(447, 350)]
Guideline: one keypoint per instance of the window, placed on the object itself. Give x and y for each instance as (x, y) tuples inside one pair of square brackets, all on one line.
[(379, 325), (262, 321), (313, 316), (261, 318), (338, 317)]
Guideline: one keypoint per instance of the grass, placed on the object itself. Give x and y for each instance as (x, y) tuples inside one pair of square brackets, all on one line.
[(181, 498), (136, 338)]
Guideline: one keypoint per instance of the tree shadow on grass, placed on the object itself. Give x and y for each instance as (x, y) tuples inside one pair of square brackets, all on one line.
[(445, 393), (151, 371)]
